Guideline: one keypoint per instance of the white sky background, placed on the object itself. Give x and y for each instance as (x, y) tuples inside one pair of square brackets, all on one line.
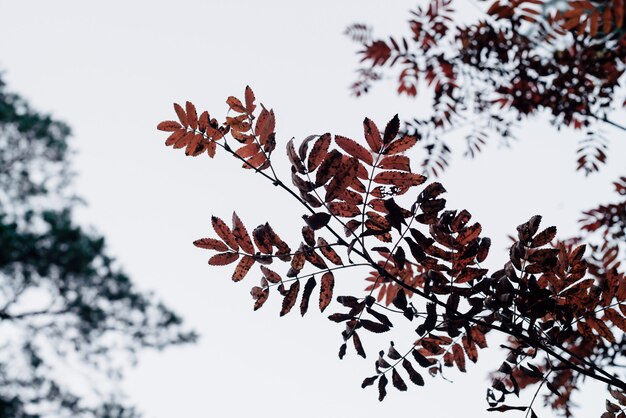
[(112, 69)]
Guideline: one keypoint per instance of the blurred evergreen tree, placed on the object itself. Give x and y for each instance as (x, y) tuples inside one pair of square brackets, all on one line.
[(63, 300)]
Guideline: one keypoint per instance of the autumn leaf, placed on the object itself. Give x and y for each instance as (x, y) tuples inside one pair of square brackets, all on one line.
[(242, 268), (249, 97), (306, 295), (294, 158), (328, 167), (396, 162), (328, 252), (318, 152), (192, 115), (241, 235), (400, 145), (169, 125), (344, 209), (346, 172), (235, 104), (326, 290), (182, 117), (399, 178), (259, 295), (290, 299), (459, 357), (355, 149), (210, 244), (600, 327), (544, 237), (468, 274), (270, 275), (372, 135), (469, 234), (224, 232), (223, 259)]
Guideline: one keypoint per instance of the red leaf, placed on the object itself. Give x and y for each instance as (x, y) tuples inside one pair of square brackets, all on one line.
[(544, 237), (210, 244), (469, 274), (326, 290), (396, 162), (182, 117), (353, 148), (203, 121), (241, 235), (194, 148), (192, 115), (328, 167), (328, 252), (297, 262), (168, 126), (174, 137), (242, 268), (318, 152), (346, 173), (248, 150), (459, 357), (290, 298), (265, 125), (235, 104), (401, 145), (270, 275), (306, 294), (223, 259), (313, 258), (468, 234), (224, 232), (250, 106), (294, 158), (260, 295), (343, 209), (470, 348), (372, 135), (262, 239), (601, 329), (398, 178), (184, 140)]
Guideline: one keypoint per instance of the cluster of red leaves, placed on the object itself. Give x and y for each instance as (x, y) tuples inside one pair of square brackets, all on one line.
[(525, 56), (553, 303)]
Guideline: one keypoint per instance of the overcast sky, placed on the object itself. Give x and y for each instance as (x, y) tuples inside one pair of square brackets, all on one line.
[(112, 69)]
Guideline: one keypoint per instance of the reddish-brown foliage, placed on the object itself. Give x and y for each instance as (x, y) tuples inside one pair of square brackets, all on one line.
[(562, 304), (523, 56)]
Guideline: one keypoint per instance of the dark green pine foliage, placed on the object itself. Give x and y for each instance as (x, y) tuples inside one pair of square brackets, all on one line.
[(63, 299)]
